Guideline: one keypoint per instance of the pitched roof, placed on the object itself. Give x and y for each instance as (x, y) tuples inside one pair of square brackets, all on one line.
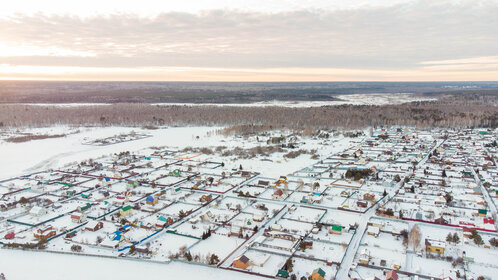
[(319, 271), (244, 259), (392, 275)]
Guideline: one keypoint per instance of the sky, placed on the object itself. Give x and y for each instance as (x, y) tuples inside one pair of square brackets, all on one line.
[(256, 40)]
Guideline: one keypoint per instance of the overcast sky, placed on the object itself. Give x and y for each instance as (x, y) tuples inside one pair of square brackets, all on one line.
[(256, 40)]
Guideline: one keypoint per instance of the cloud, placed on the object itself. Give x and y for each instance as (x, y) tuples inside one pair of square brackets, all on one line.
[(408, 35)]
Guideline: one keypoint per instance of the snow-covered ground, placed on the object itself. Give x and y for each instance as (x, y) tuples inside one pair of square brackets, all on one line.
[(353, 99), (24, 265), (38, 155)]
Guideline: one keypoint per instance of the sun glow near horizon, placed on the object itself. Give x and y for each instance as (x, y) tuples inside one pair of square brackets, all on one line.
[(247, 41)]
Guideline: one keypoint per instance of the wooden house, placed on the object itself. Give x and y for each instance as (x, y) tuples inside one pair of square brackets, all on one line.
[(435, 246), (241, 262), (94, 225), (318, 274), (335, 229), (362, 204), (78, 217), (277, 194), (126, 211), (38, 211), (151, 200), (44, 232), (392, 275)]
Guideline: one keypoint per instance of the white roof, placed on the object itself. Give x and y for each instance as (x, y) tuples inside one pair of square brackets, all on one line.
[(372, 229)]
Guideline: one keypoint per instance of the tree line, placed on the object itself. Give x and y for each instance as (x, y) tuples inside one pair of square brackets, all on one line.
[(446, 112)]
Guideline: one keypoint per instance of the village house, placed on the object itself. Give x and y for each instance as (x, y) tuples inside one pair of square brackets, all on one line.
[(435, 246), (44, 232), (94, 225), (38, 211), (335, 229), (78, 217), (373, 230), (241, 262), (163, 222), (277, 194), (151, 200), (318, 274), (125, 211), (258, 216), (392, 275), (364, 256)]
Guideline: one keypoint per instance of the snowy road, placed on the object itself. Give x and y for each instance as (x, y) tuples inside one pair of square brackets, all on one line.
[(485, 193)]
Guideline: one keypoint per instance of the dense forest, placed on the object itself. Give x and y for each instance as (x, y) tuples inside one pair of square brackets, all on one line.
[(217, 92), (470, 110)]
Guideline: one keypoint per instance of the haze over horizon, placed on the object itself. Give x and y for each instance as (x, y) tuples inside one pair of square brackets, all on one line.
[(286, 40)]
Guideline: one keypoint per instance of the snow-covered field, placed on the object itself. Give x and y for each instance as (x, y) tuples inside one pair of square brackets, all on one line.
[(37, 155), (25, 265), (353, 99)]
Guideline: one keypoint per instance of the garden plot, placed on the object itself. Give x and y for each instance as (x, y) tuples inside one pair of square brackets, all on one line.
[(101, 209), (333, 200), (276, 245), (135, 215), (211, 245), (193, 227), (107, 173), (324, 251), (210, 164), (269, 192), (384, 257), (295, 227), (4, 190), (41, 215), (167, 245), (19, 184), (229, 202), (271, 209), (265, 263), (310, 172), (305, 214), (169, 180), (93, 237), (153, 176), (247, 220), (197, 198), (376, 188), (354, 205), (304, 268), (174, 209), (70, 191), (250, 191), (119, 187), (326, 235), (116, 139), (21, 232), (385, 241), (347, 184), (216, 188), (71, 179), (431, 267), (143, 190), (136, 234), (234, 180), (48, 199), (295, 196), (142, 171)]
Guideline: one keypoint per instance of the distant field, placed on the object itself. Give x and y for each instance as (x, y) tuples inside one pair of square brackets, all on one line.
[(218, 92)]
